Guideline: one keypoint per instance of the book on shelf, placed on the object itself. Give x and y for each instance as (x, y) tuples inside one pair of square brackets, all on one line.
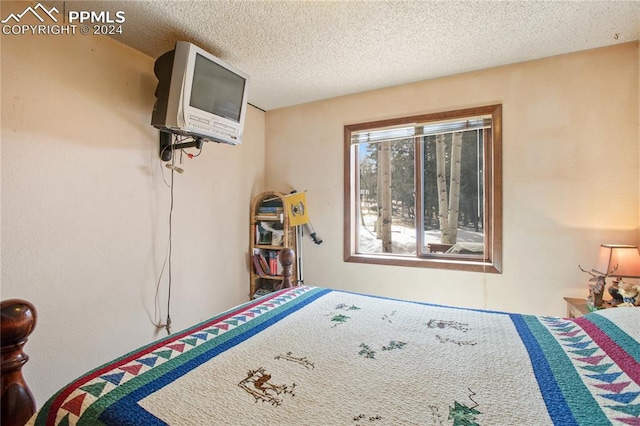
[(260, 263), (258, 266), (264, 265), (273, 262), (270, 210), (266, 262)]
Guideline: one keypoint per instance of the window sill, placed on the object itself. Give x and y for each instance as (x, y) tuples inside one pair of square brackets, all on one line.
[(441, 262)]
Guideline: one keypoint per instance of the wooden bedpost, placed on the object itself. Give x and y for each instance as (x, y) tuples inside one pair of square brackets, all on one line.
[(17, 321), (287, 257)]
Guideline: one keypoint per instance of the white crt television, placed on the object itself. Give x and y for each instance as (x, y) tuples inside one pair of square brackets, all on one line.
[(199, 95)]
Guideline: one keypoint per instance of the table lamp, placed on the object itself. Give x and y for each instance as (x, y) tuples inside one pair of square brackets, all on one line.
[(620, 261)]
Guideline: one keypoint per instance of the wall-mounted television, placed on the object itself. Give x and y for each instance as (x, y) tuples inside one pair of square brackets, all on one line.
[(199, 95)]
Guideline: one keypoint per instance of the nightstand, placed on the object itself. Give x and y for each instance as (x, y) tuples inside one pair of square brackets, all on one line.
[(576, 307)]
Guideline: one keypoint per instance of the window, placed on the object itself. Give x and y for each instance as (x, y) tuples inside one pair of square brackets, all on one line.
[(426, 190)]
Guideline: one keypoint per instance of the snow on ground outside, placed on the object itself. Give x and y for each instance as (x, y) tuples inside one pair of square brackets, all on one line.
[(404, 237)]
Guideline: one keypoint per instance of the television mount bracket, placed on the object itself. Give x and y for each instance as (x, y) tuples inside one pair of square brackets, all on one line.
[(167, 146)]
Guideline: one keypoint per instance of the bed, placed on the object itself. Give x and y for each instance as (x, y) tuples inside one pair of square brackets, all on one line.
[(316, 356)]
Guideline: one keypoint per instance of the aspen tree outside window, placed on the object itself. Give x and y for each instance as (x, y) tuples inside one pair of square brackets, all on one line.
[(426, 190)]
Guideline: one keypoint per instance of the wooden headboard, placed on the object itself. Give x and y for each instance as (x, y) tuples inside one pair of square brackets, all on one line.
[(18, 319)]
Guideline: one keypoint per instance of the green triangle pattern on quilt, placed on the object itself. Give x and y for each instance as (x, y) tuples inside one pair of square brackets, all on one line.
[(613, 382), (64, 421), (94, 389), (631, 409), (597, 368), (585, 352), (164, 354), (191, 341)]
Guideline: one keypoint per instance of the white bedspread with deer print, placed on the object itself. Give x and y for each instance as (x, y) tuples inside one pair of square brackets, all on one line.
[(315, 356)]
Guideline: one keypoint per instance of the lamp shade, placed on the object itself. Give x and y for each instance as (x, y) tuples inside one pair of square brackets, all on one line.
[(618, 261)]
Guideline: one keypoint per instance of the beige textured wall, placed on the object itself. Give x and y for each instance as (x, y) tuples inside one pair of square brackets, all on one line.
[(85, 209), (571, 173)]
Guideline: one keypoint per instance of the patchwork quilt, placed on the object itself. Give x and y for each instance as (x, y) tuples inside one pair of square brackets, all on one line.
[(315, 356)]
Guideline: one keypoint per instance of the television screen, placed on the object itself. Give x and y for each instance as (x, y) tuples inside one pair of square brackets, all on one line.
[(216, 89), (199, 96)]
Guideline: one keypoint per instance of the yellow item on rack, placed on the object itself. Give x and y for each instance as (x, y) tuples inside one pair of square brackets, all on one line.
[(297, 208)]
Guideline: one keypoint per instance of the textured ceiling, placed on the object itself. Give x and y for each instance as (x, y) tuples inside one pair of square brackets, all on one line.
[(301, 51)]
